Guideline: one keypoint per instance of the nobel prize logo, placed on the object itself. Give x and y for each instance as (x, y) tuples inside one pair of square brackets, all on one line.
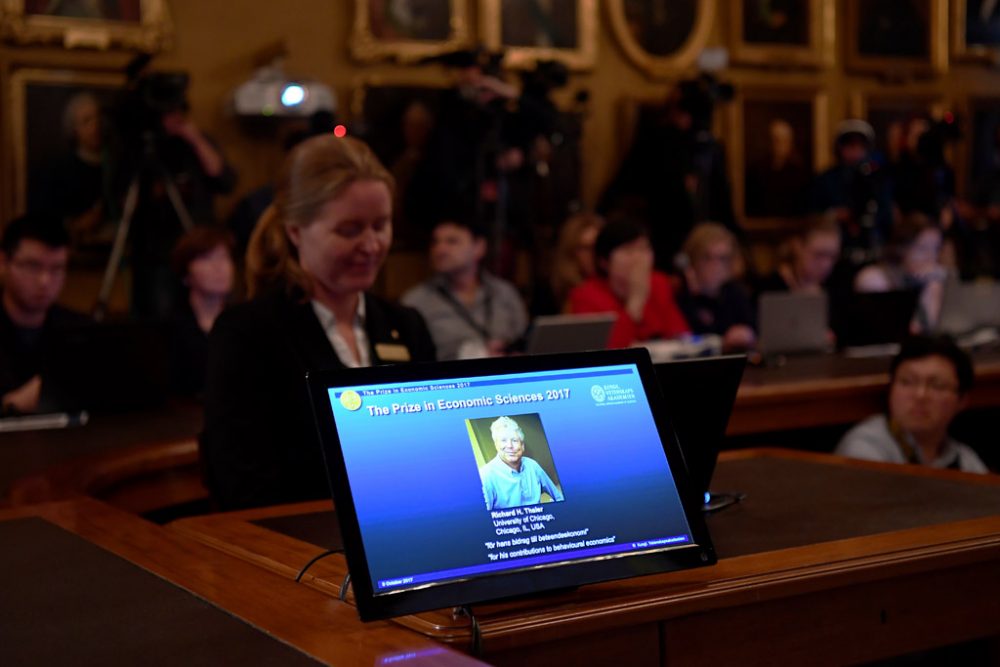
[(597, 393), (350, 400)]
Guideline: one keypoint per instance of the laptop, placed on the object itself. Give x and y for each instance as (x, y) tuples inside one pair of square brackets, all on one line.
[(875, 320), (793, 323), (569, 333), (700, 394), (461, 482), (967, 307), (108, 367)]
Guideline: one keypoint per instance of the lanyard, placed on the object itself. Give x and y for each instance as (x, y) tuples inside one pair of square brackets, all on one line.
[(482, 329)]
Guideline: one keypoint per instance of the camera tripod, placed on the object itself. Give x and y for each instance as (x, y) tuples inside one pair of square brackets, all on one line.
[(153, 166)]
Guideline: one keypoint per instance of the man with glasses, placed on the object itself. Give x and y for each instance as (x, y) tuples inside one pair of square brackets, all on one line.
[(929, 383), (33, 256)]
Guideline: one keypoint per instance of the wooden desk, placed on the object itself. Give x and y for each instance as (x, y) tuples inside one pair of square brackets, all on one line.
[(830, 390), (79, 587), (827, 561), (33, 452)]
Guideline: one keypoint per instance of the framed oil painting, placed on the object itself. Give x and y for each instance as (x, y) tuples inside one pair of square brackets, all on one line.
[(531, 31), (661, 37), (779, 142), (140, 25), (783, 32), (975, 30), (52, 118), (897, 38), (408, 30)]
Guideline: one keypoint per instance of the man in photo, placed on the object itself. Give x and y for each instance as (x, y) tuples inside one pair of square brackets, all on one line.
[(512, 479)]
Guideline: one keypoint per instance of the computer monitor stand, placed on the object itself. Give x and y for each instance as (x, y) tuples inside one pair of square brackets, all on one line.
[(717, 501)]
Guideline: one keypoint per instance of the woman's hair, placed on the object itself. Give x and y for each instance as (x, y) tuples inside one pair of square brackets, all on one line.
[(566, 273), (613, 235), (817, 223), (904, 234), (197, 242), (317, 171), (703, 236)]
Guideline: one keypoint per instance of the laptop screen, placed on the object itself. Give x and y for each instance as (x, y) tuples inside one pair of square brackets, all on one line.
[(466, 473)]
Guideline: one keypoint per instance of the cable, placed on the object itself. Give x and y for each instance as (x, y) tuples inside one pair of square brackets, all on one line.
[(477, 634), (298, 578), (344, 586)]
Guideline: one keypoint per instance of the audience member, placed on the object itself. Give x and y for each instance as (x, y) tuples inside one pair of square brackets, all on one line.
[(807, 260), (929, 382), (203, 259), (313, 256), (857, 191), (912, 261), (711, 301), (199, 170), (33, 257), (574, 260), (626, 284), (470, 312)]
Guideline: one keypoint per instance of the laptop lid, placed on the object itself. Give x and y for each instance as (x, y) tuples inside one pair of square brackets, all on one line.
[(792, 322), (570, 333), (466, 481), (876, 318), (968, 306), (700, 394)]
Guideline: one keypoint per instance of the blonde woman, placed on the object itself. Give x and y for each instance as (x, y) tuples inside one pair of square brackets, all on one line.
[(313, 256)]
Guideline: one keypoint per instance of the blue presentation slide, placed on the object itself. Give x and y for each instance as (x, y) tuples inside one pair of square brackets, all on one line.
[(418, 490)]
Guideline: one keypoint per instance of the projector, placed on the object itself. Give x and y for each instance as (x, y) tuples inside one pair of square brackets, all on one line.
[(271, 93)]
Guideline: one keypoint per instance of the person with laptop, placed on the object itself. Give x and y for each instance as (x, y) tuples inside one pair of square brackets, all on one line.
[(470, 312), (929, 381), (34, 253), (627, 285), (808, 260), (711, 301), (912, 261), (512, 479), (313, 257)]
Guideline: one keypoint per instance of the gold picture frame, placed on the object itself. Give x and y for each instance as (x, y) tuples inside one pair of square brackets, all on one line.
[(881, 110), (22, 115), (810, 105), (961, 49), (150, 31), (368, 43), (573, 45), (818, 49), (666, 65), (901, 33)]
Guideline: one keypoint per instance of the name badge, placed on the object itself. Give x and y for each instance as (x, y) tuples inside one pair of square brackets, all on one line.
[(392, 352)]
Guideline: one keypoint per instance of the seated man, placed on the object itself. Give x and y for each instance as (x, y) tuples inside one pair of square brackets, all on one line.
[(512, 479), (929, 381), (470, 312), (33, 256)]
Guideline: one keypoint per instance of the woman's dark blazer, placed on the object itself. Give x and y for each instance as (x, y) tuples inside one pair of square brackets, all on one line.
[(259, 445)]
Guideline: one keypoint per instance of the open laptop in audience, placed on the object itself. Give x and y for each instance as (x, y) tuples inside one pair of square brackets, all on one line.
[(569, 333), (792, 323), (970, 312), (700, 394), (874, 323)]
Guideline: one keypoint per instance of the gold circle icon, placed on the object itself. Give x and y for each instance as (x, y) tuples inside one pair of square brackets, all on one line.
[(350, 400)]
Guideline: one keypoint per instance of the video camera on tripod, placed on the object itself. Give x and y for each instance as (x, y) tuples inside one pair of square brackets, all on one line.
[(138, 119)]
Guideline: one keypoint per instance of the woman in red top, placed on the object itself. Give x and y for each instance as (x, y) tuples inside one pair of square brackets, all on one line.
[(627, 285)]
